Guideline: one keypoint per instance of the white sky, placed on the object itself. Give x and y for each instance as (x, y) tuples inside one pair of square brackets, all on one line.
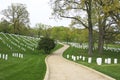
[(40, 12)]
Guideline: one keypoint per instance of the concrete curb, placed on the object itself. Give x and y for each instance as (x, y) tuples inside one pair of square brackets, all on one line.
[(102, 74)]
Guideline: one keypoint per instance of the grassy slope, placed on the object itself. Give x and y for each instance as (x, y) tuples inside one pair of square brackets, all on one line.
[(31, 67), (111, 70)]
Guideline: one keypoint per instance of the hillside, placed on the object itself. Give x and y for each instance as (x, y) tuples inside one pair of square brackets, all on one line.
[(19, 59)]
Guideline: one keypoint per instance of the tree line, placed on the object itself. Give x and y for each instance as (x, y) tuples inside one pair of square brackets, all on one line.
[(71, 34)]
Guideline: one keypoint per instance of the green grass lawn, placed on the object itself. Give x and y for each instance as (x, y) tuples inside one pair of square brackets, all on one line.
[(31, 67), (112, 70)]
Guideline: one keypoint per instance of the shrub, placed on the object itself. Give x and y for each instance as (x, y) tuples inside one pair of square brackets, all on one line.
[(46, 44)]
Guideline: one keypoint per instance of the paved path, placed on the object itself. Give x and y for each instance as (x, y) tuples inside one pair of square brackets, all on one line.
[(59, 68)]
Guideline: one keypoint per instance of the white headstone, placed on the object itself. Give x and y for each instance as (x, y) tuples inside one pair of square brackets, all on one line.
[(3, 56), (0, 55), (77, 57), (17, 54), (115, 61), (21, 55), (83, 58), (89, 60), (67, 56), (106, 61), (13, 54), (74, 59), (109, 60), (80, 57), (6, 57), (99, 61)]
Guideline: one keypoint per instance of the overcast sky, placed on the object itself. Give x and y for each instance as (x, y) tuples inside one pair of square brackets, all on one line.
[(39, 10)]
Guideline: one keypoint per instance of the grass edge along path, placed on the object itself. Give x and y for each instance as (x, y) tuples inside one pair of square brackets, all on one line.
[(108, 69)]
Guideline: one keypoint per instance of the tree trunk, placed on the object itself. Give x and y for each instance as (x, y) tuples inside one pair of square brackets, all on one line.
[(101, 40), (14, 28), (101, 25), (90, 49)]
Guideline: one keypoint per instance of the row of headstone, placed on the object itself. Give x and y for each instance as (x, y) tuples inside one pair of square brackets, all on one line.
[(74, 58), (106, 61), (5, 36), (30, 48), (26, 40), (19, 55), (14, 38), (85, 46), (89, 59), (112, 48), (29, 44), (11, 35), (17, 43), (4, 56), (9, 40), (2, 38), (23, 49), (20, 45), (78, 45)]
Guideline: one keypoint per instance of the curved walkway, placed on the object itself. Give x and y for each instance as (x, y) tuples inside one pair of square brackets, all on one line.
[(59, 68)]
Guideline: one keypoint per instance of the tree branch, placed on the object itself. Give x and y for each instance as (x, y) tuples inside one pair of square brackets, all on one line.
[(75, 19)]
